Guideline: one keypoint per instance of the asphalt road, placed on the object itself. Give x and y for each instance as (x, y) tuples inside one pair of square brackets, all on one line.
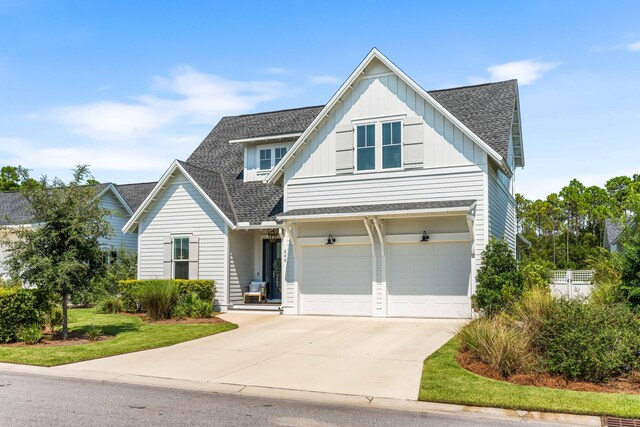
[(36, 400)]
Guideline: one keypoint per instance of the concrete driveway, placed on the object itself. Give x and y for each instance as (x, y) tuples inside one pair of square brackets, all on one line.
[(344, 355)]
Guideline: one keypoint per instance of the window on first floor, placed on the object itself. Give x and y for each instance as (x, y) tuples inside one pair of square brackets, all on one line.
[(181, 258)]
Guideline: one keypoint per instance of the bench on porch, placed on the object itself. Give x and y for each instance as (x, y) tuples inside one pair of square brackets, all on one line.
[(256, 289)]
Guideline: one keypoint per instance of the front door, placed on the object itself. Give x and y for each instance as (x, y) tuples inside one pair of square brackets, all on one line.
[(271, 253)]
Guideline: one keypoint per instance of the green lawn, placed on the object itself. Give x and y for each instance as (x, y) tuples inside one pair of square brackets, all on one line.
[(131, 334), (443, 380)]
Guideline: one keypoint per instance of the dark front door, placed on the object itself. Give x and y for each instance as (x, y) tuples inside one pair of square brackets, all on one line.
[(271, 252)]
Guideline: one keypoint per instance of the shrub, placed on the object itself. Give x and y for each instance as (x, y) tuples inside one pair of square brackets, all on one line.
[(54, 318), (158, 297), (30, 334), (128, 290), (630, 272), (606, 279), (190, 305), (202, 309), (498, 343), (499, 283), (93, 333), (110, 305), (180, 312), (591, 342), (536, 274), (18, 309)]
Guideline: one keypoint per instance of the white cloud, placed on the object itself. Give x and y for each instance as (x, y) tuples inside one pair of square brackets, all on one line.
[(120, 157), (526, 71), (634, 47), (186, 96)]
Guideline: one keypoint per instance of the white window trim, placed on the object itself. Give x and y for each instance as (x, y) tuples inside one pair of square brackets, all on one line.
[(272, 148), (378, 144), (173, 254)]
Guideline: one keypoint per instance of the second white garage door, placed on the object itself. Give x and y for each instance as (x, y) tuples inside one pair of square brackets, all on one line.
[(429, 280), (336, 279)]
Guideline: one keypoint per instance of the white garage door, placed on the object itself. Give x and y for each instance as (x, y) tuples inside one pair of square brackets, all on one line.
[(429, 280), (336, 279)]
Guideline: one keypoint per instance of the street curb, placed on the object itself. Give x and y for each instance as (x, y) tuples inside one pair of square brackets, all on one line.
[(310, 396)]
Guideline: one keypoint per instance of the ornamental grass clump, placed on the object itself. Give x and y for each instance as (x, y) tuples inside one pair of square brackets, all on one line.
[(532, 311), (158, 298), (498, 343), (110, 305)]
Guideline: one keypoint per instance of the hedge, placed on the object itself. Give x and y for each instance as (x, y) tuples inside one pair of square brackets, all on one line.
[(128, 290), (18, 308)]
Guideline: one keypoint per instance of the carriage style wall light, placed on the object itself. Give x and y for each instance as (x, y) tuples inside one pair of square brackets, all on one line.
[(424, 238), (273, 235), (331, 240)]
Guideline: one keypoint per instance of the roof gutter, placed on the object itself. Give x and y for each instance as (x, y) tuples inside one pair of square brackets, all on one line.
[(460, 210)]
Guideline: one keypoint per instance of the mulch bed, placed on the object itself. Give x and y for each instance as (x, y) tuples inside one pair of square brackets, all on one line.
[(55, 340), (628, 384), (188, 321)]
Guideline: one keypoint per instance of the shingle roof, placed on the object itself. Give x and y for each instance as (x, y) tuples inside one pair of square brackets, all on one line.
[(134, 194), (14, 209), (486, 109), (253, 202), (391, 207)]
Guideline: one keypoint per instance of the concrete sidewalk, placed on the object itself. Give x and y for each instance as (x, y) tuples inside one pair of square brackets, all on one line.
[(342, 355)]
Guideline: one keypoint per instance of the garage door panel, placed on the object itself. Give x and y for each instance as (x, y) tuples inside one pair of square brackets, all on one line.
[(336, 279), (429, 280)]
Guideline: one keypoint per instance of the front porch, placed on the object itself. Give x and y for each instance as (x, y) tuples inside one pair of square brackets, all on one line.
[(255, 277)]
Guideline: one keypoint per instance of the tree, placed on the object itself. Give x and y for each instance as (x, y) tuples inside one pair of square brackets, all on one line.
[(631, 270), (499, 282), (15, 178), (62, 255)]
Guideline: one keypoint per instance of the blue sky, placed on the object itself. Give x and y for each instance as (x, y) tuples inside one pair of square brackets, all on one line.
[(128, 86)]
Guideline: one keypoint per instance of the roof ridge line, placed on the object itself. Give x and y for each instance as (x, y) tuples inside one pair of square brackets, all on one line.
[(278, 111), (226, 192), (470, 86)]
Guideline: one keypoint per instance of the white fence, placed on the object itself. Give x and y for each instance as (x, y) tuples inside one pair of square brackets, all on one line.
[(571, 283)]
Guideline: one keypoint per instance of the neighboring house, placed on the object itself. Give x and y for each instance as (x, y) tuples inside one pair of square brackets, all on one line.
[(379, 203), (121, 200), (614, 231)]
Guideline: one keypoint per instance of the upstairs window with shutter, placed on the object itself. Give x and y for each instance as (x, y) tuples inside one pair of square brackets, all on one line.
[(391, 145), (366, 147)]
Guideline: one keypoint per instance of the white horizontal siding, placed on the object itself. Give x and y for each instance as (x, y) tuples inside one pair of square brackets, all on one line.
[(118, 218), (502, 211), (181, 210), (241, 262)]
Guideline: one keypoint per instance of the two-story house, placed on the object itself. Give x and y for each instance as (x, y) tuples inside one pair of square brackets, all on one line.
[(378, 203)]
